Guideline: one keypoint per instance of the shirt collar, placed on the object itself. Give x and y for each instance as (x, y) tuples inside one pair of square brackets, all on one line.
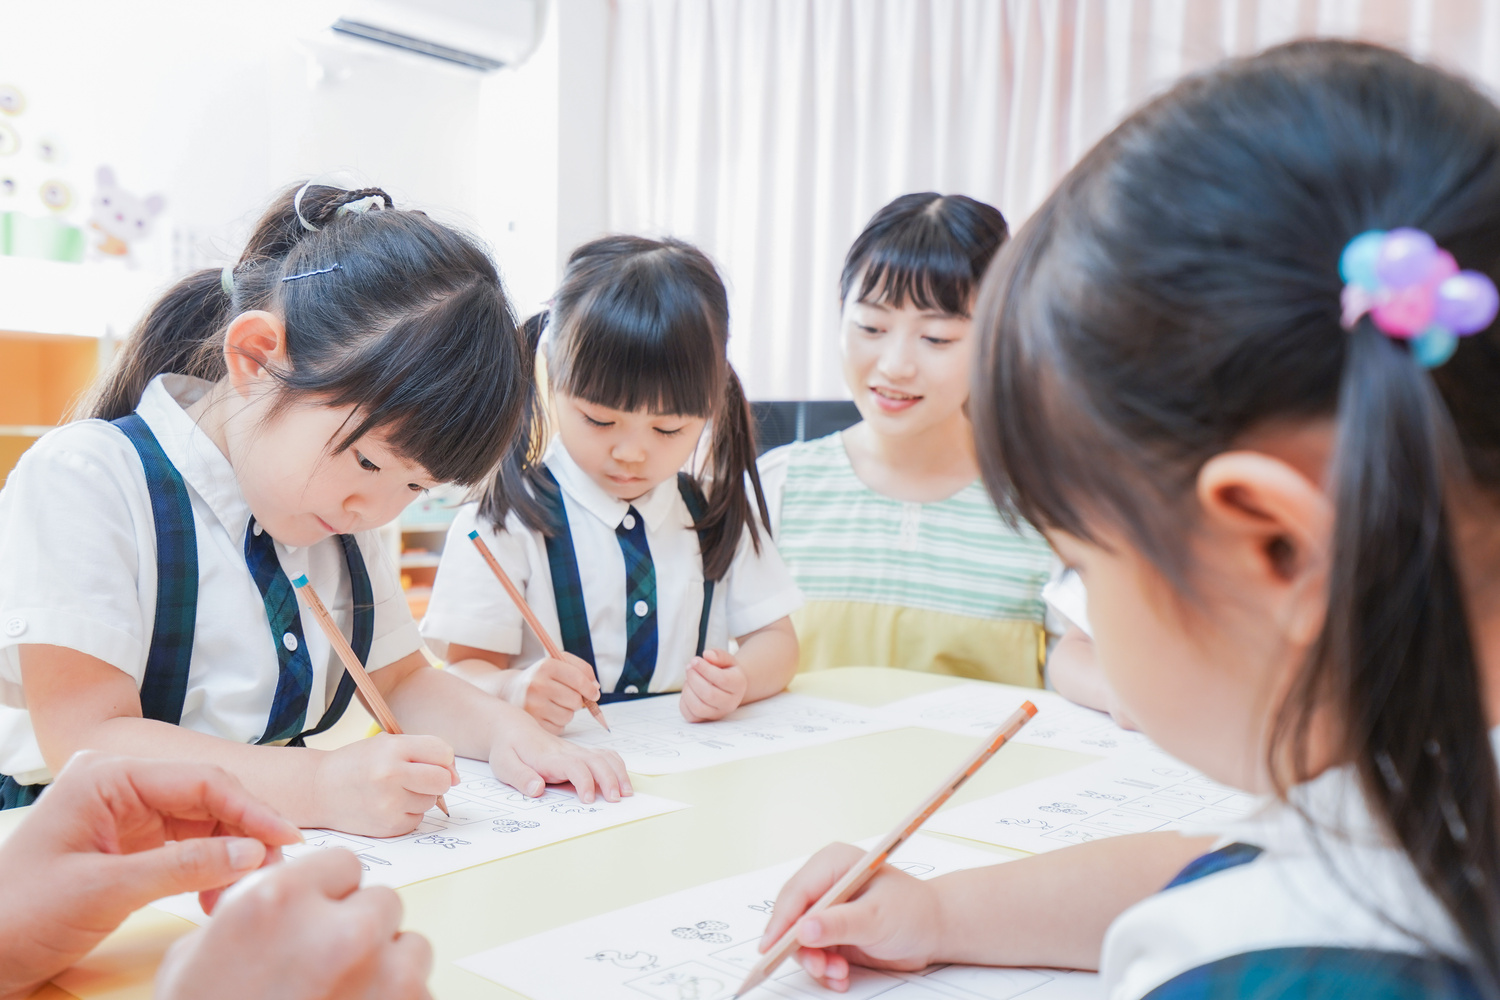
[(653, 506), (199, 461)]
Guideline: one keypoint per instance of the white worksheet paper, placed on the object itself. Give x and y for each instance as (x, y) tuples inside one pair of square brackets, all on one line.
[(1137, 792), (980, 709), (489, 820), (699, 944), (654, 738)]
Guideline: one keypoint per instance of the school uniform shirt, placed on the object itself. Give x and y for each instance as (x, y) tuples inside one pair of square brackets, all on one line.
[(78, 569), (946, 587), (469, 607), (1066, 595), (1278, 892)]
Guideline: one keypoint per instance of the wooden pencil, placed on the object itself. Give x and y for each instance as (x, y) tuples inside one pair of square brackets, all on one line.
[(553, 650), (367, 688), (861, 873)]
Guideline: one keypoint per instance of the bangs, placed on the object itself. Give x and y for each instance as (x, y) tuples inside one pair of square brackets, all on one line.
[(642, 346), (1046, 453), (443, 386), (920, 268)]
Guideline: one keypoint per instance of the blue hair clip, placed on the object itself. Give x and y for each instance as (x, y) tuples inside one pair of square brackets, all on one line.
[(308, 274)]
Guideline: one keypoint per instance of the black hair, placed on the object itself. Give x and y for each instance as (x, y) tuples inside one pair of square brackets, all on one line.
[(928, 249), (395, 314), (642, 324), (1181, 289)]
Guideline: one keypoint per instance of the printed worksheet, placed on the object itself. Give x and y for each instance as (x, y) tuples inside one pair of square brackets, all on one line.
[(654, 738), (699, 944), (979, 709), (1135, 792), (489, 820)]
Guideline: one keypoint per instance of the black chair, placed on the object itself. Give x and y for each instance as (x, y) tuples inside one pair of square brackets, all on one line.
[(779, 423)]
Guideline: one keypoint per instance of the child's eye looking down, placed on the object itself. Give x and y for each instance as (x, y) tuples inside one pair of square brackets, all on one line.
[(664, 432), (366, 464), (598, 423)]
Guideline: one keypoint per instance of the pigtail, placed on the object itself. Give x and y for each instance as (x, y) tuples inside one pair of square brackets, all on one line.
[(519, 481), (182, 332), (175, 336), (1398, 645), (731, 461)]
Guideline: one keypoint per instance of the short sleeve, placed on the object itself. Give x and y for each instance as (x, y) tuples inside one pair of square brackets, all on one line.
[(75, 537), (773, 470), (759, 587), (396, 635), (1066, 595), (468, 605)]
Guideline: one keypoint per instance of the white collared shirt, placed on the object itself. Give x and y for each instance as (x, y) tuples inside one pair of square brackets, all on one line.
[(78, 569), (469, 607), (1330, 876)]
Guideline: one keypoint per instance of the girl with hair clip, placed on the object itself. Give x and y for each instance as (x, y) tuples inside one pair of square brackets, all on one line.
[(258, 426), (644, 571), (1213, 371), (887, 529)]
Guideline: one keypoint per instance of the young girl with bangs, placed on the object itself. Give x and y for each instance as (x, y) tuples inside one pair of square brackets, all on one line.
[(1216, 369), (642, 570), (887, 529), (259, 425)]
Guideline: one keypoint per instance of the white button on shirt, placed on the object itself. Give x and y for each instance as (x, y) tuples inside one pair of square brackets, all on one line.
[(469, 607), (78, 569)]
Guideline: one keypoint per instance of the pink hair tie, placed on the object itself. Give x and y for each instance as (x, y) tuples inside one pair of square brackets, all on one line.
[(1412, 289)]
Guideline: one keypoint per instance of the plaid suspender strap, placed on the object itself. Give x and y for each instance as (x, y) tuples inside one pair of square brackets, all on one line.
[(696, 507), (362, 639), (164, 687), (567, 585)]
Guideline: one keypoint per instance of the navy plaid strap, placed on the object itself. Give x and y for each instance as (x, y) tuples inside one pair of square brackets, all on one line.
[(641, 639), (164, 687), (294, 678), (1315, 973), (1230, 856), (688, 487), (567, 586)]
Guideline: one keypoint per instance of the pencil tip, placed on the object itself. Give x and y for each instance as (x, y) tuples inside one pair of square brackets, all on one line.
[(301, 581)]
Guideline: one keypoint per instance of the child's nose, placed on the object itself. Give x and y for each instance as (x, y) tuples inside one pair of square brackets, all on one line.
[(628, 452)]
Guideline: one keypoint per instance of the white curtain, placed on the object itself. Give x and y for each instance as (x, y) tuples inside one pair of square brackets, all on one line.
[(768, 131)]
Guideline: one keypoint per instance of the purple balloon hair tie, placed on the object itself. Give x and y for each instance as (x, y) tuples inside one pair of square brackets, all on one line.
[(1412, 289)]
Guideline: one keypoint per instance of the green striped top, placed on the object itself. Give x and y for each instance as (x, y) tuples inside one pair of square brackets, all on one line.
[(845, 542)]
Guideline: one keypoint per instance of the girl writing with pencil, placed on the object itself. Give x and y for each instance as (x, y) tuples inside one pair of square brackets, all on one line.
[(886, 527), (259, 425), (643, 571), (1241, 367)]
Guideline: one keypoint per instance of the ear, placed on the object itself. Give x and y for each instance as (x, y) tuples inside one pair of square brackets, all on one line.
[(1273, 527), (254, 342)]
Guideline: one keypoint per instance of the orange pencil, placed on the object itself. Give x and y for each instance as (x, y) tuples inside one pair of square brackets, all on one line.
[(530, 616), (861, 873), (356, 670)]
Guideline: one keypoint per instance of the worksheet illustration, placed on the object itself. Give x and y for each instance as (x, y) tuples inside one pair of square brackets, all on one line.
[(654, 738), (488, 820), (980, 709), (699, 944), (1138, 792)]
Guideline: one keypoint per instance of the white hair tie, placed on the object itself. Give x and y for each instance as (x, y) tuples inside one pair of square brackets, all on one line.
[(361, 205), (297, 207)]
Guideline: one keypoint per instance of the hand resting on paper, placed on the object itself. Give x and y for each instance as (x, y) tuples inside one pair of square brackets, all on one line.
[(109, 836)]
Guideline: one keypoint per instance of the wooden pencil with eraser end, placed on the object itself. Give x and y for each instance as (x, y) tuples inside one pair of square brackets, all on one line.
[(519, 600), (367, 688), (855, 878)]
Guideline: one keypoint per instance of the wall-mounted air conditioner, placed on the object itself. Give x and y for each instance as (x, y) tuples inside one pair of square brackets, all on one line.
[(482, 34)]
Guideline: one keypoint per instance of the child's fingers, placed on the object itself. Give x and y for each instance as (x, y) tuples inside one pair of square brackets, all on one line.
[(577, 771), (580, 676), (692, 707), (828, 968), (512, 770), (714, 678), (718, 658), (605, 778), (428, 780), (807, 887)]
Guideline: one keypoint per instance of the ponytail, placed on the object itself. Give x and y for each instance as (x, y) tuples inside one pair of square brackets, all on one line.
[(175, 336), (519, 482), (731, 459), (1397, 650)]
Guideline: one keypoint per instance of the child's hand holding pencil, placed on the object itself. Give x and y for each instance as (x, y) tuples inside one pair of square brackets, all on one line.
[(552, 689)]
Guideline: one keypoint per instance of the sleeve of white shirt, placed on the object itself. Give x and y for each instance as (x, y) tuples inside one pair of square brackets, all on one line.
[(396, 635), (773, 468), (1066, 594), (758, 587), (74, 534), (468, 605)]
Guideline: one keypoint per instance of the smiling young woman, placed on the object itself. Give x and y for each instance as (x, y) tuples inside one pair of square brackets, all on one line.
[(902, 557)]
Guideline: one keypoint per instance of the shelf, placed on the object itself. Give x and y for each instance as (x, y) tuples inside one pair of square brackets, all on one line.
[(24, 430), (419, 560)]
